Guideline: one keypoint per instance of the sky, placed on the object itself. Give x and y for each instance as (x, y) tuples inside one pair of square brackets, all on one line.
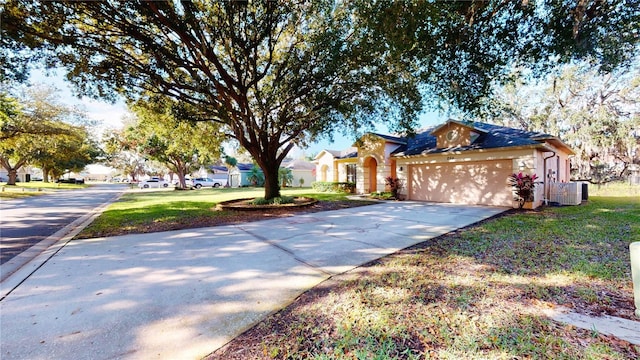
[(109, 115), (106, 114)]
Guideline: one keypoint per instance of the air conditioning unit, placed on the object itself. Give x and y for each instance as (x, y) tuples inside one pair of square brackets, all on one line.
[(565, 193)]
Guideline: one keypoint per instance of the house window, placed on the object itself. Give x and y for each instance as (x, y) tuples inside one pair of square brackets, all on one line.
[(351, 173)]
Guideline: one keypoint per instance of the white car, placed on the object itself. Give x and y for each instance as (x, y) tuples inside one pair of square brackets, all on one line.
[(208, 182), (153, 183)]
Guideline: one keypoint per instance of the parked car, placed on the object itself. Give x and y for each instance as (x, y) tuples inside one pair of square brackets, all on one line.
[(152, 183), (71, 181), (200, 182)]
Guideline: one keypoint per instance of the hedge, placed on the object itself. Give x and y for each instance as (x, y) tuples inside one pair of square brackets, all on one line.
[(339, 187)]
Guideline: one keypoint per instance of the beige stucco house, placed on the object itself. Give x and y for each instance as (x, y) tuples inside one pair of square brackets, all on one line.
[(456, 162), (302, 172)]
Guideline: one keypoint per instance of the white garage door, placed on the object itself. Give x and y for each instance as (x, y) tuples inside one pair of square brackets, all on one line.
[(484, 183)]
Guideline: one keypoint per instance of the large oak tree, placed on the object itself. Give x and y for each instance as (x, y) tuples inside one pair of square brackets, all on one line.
[(121, 153), (35, 129), (597, 115), (181, 146), (280, 73)]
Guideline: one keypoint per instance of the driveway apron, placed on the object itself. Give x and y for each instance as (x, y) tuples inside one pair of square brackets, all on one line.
[(183, 294)]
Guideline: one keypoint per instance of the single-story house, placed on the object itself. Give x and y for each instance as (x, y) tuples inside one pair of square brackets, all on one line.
[(218, 172), (303, 172), (24, 174), (239, 175), (459, 162)]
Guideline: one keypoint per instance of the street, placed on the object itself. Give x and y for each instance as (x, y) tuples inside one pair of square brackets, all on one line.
[(25, 222)]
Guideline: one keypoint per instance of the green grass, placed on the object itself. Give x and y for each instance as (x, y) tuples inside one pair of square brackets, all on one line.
[(615, 189), (477, 293), (587, 239), (147, 210), (34, 188)]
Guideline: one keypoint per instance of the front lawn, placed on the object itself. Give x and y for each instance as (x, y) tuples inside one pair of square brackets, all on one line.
[(34, 188), (143, 211), (477, 293)]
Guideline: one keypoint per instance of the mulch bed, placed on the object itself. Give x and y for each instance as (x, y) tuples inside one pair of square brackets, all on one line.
[(247, 204)]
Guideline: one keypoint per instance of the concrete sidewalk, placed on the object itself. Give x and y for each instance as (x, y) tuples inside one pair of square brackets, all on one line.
[(183, 294)]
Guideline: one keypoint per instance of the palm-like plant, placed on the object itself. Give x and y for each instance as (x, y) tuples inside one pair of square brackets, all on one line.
[(524, 186), (256, 178), (285, 177)]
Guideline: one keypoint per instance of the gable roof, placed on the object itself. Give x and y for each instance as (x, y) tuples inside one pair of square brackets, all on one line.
[(391, 138), (344, 154), (244, 166), (467, 124), (490, 137), (351, 152), (299, 164), (218, 168)]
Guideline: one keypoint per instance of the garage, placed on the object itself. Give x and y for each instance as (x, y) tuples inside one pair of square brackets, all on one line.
[(483, 182)]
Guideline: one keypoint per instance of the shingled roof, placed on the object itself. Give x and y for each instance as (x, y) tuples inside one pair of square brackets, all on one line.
[(348, 153), (491, 137), (392, 138)]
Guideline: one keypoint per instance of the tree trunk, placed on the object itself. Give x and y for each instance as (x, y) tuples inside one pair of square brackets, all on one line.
[(271, 185), (181, 170), (13, 177), (45, 174), (268, 154), (11, 170), (182, 183), (269, 162)]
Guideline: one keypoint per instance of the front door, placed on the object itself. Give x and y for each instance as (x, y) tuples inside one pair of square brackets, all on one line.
[(371, 171)]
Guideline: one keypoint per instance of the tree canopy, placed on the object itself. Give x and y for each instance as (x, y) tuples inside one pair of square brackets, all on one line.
[(36, 129), (180, 145), (598, 115), (278, 74), (121, 153)]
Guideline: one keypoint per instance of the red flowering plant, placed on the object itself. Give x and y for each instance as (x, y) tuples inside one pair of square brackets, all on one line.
[(523, 186), (394, 184)]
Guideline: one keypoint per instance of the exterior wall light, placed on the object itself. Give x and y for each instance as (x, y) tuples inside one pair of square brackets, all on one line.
[(522, 165)]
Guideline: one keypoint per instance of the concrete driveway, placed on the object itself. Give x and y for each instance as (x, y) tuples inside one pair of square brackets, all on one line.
[(183, 294)]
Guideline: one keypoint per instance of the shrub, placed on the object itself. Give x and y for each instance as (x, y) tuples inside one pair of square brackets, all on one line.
[(394, 185), (275, 201), (523, 186), (382, 195), (260, 201), (338, 187)]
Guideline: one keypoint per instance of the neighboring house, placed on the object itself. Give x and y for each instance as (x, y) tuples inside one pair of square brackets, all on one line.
[(301, 169), (456, 162), (239, 175), (218, 172), (24, 174)]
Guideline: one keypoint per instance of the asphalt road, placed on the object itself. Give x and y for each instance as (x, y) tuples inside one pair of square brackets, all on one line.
[(25, 222)]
